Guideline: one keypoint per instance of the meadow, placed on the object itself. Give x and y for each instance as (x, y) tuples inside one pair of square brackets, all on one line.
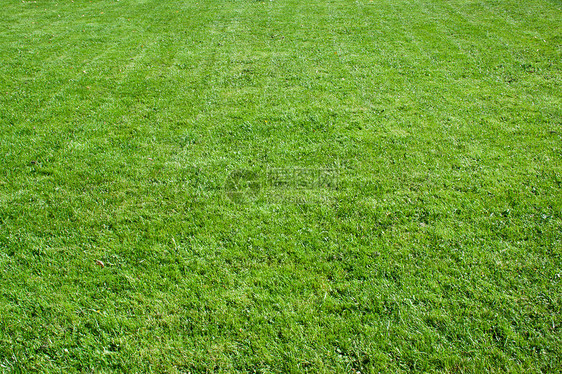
[(284, 186)]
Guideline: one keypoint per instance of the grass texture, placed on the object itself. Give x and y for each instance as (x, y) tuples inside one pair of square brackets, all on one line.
[(123, 125)]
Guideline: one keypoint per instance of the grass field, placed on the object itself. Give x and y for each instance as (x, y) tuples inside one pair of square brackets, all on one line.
[(164, 204)]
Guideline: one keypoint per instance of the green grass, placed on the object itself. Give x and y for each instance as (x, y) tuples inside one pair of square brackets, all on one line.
[(439, 250)]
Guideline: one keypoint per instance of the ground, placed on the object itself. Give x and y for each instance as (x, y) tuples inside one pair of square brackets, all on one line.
[(283, 186)]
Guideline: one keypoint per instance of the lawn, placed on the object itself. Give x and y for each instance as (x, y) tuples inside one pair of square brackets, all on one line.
[(284, 186)]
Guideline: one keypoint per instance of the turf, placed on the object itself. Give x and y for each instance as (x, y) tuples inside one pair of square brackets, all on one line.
[(152, 218)]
